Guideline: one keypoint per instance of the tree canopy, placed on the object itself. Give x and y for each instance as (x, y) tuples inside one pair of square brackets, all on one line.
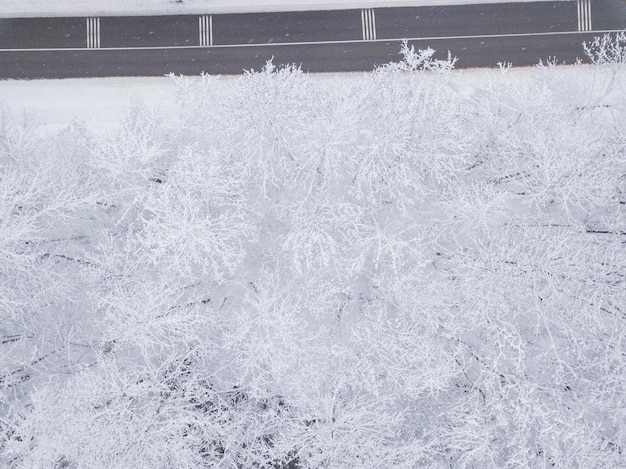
[(398, 271)]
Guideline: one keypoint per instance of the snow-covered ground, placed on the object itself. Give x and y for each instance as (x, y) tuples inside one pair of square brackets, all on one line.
[(87, 99), (18, 8), (100, 100)]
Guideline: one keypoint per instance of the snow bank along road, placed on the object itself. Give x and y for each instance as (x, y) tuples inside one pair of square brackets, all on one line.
[(321, 41)]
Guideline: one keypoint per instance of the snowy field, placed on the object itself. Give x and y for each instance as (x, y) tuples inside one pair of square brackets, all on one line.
[(154, 7), (414, 267)]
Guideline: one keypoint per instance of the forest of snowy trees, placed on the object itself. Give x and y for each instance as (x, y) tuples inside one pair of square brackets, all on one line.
[(392, 272)]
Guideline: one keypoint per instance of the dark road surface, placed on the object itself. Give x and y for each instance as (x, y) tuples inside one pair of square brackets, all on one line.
[(319, 41), (469, 20)]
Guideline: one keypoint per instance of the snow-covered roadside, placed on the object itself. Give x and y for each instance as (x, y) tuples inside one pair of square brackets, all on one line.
[(23, 8), (101, 100), (98, 102)]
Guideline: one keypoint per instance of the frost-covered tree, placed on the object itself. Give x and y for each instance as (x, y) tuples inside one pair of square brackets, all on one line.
[(397, 270)]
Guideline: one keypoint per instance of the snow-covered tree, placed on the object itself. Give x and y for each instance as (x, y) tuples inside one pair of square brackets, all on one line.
[(394, 271)]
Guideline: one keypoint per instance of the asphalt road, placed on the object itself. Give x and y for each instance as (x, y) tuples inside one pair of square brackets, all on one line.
[(319, 41)]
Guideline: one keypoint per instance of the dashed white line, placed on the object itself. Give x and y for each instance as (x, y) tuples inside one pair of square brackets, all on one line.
[(584, 15), (205, 30), (93, 33), (368, 24)]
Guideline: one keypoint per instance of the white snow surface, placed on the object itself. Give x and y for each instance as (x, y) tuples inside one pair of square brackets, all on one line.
[(99, 101), (29, 8), (86, 99)]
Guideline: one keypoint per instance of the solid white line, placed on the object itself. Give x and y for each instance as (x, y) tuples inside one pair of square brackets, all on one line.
[(319, 43), (207, 31), (90, 29), (210, 30), (588, 2), (373, 24), (363, 25), (200, 30)]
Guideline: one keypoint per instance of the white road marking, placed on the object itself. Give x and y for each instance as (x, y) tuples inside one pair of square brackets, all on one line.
[(368, 24), (93, 33), (206, 30), (584, 15), (318, 43)]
